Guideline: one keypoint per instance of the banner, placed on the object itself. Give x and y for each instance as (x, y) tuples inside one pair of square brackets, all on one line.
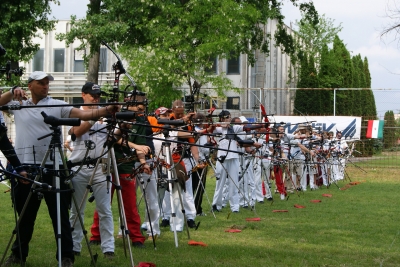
[(375, 129), (348, 125)]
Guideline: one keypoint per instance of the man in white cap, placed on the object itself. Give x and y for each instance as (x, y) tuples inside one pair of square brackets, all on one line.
[(30, 125)]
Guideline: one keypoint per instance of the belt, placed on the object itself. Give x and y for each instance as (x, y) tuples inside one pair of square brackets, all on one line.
[(85, 162)]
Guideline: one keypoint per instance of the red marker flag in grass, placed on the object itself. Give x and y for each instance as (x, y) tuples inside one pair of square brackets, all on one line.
[(315, 201), (326, 195), (233, 230), (375, 129), (146, 264), (299, 206), (253, 219), (197, 243)]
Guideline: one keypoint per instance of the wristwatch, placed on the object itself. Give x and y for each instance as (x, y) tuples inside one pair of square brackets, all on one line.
[(12, 89)]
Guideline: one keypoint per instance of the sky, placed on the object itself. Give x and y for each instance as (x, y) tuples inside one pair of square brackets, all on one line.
[(362, 22)]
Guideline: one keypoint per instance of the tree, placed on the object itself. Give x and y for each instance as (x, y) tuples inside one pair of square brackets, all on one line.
[(184, 36), (20, 22), (367, 74), (94, 58), (342, 71), (313, 38), (389, 132), (308, 100)]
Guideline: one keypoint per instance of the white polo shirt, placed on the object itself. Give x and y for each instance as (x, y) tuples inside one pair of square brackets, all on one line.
[(29, 126)]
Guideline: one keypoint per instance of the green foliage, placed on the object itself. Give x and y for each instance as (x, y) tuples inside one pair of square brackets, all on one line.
[(308, 101), (20, 22), (389, 132), (171, 43), (337, 69), (367, 74), (313, 37), (377, 146)]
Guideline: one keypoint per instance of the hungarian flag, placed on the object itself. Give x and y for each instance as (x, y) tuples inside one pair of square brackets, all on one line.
[(375, 129)]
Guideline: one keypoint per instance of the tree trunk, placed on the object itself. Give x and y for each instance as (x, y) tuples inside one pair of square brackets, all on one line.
[(93, 66)]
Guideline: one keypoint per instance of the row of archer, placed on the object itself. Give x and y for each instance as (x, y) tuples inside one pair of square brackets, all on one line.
[(307, 158), (138, 135)]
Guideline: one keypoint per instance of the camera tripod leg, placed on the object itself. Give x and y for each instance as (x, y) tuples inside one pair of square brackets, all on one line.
[(183, 209), (175, 192), (265, 178), (21, 214), (202, 178), (124, 228), (143, 187)]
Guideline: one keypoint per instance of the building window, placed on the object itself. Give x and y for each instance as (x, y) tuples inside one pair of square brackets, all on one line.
[(103, 60), (213, 69), (38, 61), (59, 58), (233, 65), (233, 103), (79, 65)]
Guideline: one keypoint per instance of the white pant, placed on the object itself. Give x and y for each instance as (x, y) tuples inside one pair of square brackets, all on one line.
[(229, 168), (246, 184), (177, 222), (150, 185), (103, 207), (266, 170), (338, 166), (188, 202)]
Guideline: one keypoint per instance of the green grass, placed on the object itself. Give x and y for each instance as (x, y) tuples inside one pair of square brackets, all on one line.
[(358, 226)]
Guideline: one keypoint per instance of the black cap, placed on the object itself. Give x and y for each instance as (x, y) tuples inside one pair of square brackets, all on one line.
[(91, 88), (224, 114)]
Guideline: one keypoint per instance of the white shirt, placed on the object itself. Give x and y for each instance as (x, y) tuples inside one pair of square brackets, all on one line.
[(173, 136), (29, 126), (229, 144), (98, 138)]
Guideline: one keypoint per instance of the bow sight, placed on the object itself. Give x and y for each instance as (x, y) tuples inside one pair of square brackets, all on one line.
[(131, 98), (189, 101), (11, 67)]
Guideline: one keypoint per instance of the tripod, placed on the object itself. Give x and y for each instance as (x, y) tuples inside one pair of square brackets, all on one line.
[(169, 175), (247, 177), (101, 193), (148, 186), (58, 209), (202, 178)]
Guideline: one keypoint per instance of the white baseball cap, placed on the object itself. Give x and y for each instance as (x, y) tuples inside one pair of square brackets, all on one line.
[(39, 75), (243, 119)]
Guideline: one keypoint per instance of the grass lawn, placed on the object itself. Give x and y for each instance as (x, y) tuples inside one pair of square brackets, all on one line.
[(358, 226)]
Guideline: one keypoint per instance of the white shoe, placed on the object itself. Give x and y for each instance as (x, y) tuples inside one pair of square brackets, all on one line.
[(283, 197)]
